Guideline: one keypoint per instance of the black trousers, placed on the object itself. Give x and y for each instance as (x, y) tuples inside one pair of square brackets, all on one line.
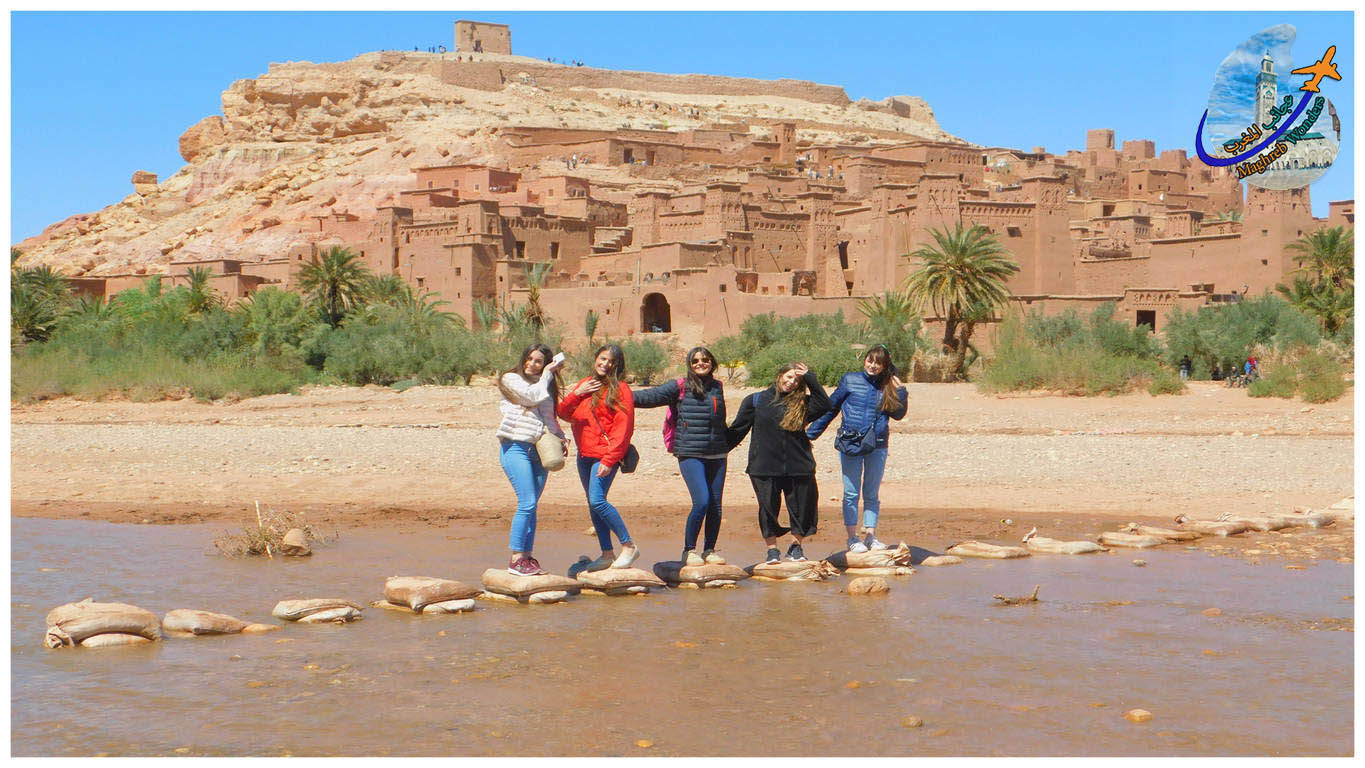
[(802, 502)]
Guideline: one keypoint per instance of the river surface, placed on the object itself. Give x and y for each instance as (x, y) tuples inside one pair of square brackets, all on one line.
[(767, 669)]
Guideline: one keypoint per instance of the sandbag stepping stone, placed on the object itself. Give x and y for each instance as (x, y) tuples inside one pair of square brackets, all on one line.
[(1130, 540), (426, 594), (97, 625), (880, 571), (939, 560), (880, 558), (322, 610), (295, 543), (989, 551), (1211, 527), (1307, 518), (543, 588), (185, 622), (868, 585), (710, 576), (1035, 543), (1261, 524), (1162, 533), (619, 581), (803, 570)]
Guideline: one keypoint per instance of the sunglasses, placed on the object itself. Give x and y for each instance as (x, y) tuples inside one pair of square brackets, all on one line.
[(696, 360)]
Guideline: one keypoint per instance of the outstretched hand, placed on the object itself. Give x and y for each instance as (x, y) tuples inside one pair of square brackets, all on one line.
[(587, 386)]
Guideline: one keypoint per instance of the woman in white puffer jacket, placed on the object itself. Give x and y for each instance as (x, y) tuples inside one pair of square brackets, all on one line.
[(530, 393)]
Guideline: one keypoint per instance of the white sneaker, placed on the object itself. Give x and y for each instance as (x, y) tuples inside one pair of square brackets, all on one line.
[(712, 557), (873, 544), (856, 546), (628, 555), (691, 558)]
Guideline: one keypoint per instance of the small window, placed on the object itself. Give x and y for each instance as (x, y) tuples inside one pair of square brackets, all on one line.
[(421, 281), (521, 249), (554, 251), (1265, 262), (457, 271), (765, 289), (1013, 231), (723, 287)]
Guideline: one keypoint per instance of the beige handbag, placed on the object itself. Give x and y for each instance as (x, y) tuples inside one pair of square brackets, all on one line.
[(551, 451)]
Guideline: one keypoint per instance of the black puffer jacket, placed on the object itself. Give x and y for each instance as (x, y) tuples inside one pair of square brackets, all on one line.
[(774, 451), (700, 430)]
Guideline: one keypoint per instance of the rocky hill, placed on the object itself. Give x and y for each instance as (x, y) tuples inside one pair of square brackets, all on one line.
[(307, 140)]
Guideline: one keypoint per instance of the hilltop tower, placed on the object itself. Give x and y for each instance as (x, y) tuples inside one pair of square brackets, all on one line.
[(482, 37)]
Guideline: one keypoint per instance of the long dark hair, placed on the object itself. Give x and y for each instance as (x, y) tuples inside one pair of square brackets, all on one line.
[(794, 419), (520, 370), (611, 382), (697, 384), (891, 400)]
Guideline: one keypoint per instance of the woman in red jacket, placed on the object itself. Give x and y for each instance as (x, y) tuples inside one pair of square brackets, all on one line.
[(602, 412)]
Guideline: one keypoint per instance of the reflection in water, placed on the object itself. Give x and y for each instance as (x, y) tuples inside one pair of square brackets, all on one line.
[(765, 669)]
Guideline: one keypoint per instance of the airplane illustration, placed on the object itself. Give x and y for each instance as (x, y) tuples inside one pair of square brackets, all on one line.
[(1321, 68)]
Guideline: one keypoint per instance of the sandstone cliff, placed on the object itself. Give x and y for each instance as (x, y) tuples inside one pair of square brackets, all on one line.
[(307, 140)]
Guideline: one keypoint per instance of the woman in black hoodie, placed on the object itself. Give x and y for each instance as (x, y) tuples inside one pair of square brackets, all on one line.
[(699, 440), (780, 459)]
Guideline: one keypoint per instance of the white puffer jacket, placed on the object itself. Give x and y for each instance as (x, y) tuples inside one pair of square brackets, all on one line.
[(531, 414)]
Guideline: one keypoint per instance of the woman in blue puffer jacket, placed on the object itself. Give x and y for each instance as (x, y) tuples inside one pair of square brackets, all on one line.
[(867, 400)]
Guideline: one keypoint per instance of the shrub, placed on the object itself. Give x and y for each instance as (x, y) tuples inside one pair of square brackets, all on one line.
[(829, 344), (1278, 381), (1066, 353), (1322, 378), (267, 536)]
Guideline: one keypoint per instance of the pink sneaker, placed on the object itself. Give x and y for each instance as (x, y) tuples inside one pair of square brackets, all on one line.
[(524, 566)]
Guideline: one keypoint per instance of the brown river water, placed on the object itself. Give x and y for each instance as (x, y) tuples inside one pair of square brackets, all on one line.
[(767, 669)]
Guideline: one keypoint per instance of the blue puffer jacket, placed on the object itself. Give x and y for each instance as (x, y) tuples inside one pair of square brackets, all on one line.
[(858, 400)]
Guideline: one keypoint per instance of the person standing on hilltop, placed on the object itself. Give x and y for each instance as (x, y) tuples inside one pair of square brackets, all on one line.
[(694, 432), (866, 400), (530, 392), (601, 410), (780, 460)]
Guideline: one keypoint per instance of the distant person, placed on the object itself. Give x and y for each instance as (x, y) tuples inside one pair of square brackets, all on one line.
[(699, 441), (866, 401), (1185, 366), (530, 392), (781, 464), (601, 411), (1217, 373)]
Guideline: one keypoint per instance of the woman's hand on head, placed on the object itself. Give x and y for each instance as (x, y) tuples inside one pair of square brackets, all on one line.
[(801, 369), (896, 382)]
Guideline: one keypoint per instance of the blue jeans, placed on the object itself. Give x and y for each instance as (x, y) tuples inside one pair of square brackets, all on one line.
[(863, 473), (605, 518), (522, 465), (705, 480)]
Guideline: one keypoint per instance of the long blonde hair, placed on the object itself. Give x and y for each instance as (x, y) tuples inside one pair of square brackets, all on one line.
[(794, 419), (610, 382)]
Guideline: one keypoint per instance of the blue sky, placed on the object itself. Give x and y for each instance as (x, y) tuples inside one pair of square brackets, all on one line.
[(96, 96)]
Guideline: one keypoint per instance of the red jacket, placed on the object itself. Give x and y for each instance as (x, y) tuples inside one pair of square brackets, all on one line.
[(619, 424)]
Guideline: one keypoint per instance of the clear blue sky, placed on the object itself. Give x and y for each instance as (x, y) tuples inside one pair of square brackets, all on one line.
[(96, 96)]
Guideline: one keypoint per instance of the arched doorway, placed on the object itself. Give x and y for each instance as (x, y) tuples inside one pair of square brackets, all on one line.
[(654, 314)]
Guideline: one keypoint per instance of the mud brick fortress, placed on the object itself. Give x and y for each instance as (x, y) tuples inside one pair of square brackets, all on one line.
[(694, 230)]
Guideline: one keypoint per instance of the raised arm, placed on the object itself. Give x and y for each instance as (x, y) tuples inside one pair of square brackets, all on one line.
[(819, 401), (526, 393), (900, 412)]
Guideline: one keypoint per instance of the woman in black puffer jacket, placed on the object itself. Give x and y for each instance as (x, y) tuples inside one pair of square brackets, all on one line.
[(699, 440)]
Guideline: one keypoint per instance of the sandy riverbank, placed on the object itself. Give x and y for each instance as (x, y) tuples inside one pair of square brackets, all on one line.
[(961, 462)]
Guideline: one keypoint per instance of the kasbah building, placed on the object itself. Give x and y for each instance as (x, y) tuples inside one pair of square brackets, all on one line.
[(770, 223)]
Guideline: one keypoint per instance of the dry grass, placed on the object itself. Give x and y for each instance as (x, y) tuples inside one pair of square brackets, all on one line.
[(266, 536)]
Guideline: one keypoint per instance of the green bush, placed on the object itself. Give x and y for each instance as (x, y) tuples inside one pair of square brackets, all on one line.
[(829, 344), (1278, 381), (646, 360), (1065, 353), (1322, 378)]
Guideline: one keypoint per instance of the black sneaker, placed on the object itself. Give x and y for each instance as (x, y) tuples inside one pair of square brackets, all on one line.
[(795, 553), (773, 556)]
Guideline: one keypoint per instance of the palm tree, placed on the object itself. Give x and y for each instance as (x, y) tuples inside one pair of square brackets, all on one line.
[(1331, 306), (1329, 255), (202, 296), (32, 313), (590, 320), (485, 314), (388, 289), (962, 277), (535, 279), (335, 283), (45, 280)]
